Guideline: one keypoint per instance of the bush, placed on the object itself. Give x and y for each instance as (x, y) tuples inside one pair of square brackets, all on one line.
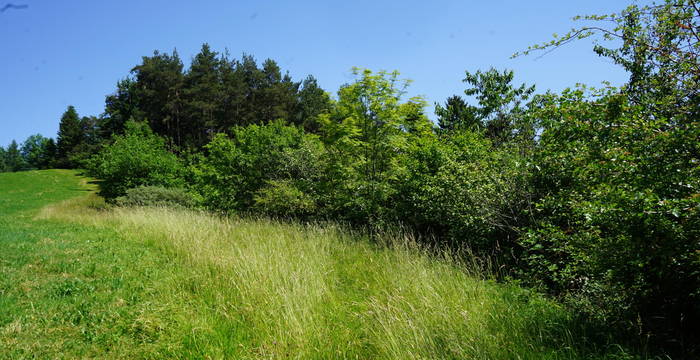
[(157, 196), (465, 191), (235, 170), (618, 212), (281, 198), (138, 158)]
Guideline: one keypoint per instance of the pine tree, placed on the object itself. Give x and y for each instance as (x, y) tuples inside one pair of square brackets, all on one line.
[(120, 107), (13, 158), (51, 153), (70, 136), (278, 94), (202, 92), (3, 166), (158, 91), (312, 101), (252, 77), (233, 92), (457, 114)]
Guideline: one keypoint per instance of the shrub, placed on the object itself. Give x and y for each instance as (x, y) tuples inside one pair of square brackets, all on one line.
[(462, 189), (281, 198), (618, 212), (138, 158), (235, 170), (157, 196)]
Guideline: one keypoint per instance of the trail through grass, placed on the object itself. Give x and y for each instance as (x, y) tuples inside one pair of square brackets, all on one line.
[(79, 280)]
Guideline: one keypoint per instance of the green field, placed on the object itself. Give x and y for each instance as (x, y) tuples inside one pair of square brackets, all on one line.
[(81, 280)]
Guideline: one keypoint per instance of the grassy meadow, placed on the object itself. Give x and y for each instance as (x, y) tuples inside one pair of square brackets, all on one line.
[(79, 279)]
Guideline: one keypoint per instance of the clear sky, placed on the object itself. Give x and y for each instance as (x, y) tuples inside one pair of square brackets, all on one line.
[(72, 52)]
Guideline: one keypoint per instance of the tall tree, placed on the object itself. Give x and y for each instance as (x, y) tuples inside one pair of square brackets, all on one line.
[(252, 77), (36, 153), (499, 105), (312, 101), (233, 94), (158, 87), (457, 114), (51, 153), (70, 136), (278, 92), (214, 95), (120, 107), (365, 133), (3, 165), (202, 97), (89, 126), (13, 158)]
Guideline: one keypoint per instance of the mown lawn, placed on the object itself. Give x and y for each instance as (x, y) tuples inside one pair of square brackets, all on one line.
[(82, 280)]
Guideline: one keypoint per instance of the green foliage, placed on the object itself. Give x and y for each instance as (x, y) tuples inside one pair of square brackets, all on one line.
[(313, 101), (217, 93), (460, 189), (277, 99), (235, 169), (618, 212), (365, 133), (157, 196), (457, 114), (201, 91), (499, 110), (125, 283), (89, 144), (70, 136), (155, 97), (120, 107), (134, 159), (38, 152), (13, 158), (617, 219), (281, 198), (659, 49), (3, 165)]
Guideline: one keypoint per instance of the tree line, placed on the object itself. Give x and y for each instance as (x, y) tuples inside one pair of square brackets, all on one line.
[(185, 107), (591, 195)]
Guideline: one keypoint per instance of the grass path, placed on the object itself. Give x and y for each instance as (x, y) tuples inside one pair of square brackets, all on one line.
[(78, 280)]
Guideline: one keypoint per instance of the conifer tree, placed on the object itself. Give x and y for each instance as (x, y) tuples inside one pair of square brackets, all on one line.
[(457, 114), (70, 136), (277, 99), (158, 88), (202, 92), (51, 151), (13, 158), (120, 107), (312, 101), (3, 153)]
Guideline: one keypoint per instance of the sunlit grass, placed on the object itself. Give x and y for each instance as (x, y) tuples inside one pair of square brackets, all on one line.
[(160, 283)]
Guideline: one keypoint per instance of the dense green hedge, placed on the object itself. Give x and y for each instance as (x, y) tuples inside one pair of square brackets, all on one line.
[(617, 218)]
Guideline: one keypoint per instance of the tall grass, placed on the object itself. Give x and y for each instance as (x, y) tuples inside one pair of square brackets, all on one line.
[(277, 290), (100, 282)]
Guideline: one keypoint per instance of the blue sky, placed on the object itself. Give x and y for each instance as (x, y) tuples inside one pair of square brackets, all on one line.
[(70, 52)]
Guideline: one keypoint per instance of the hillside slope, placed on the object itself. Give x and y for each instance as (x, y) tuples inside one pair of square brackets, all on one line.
[(81, 280)]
